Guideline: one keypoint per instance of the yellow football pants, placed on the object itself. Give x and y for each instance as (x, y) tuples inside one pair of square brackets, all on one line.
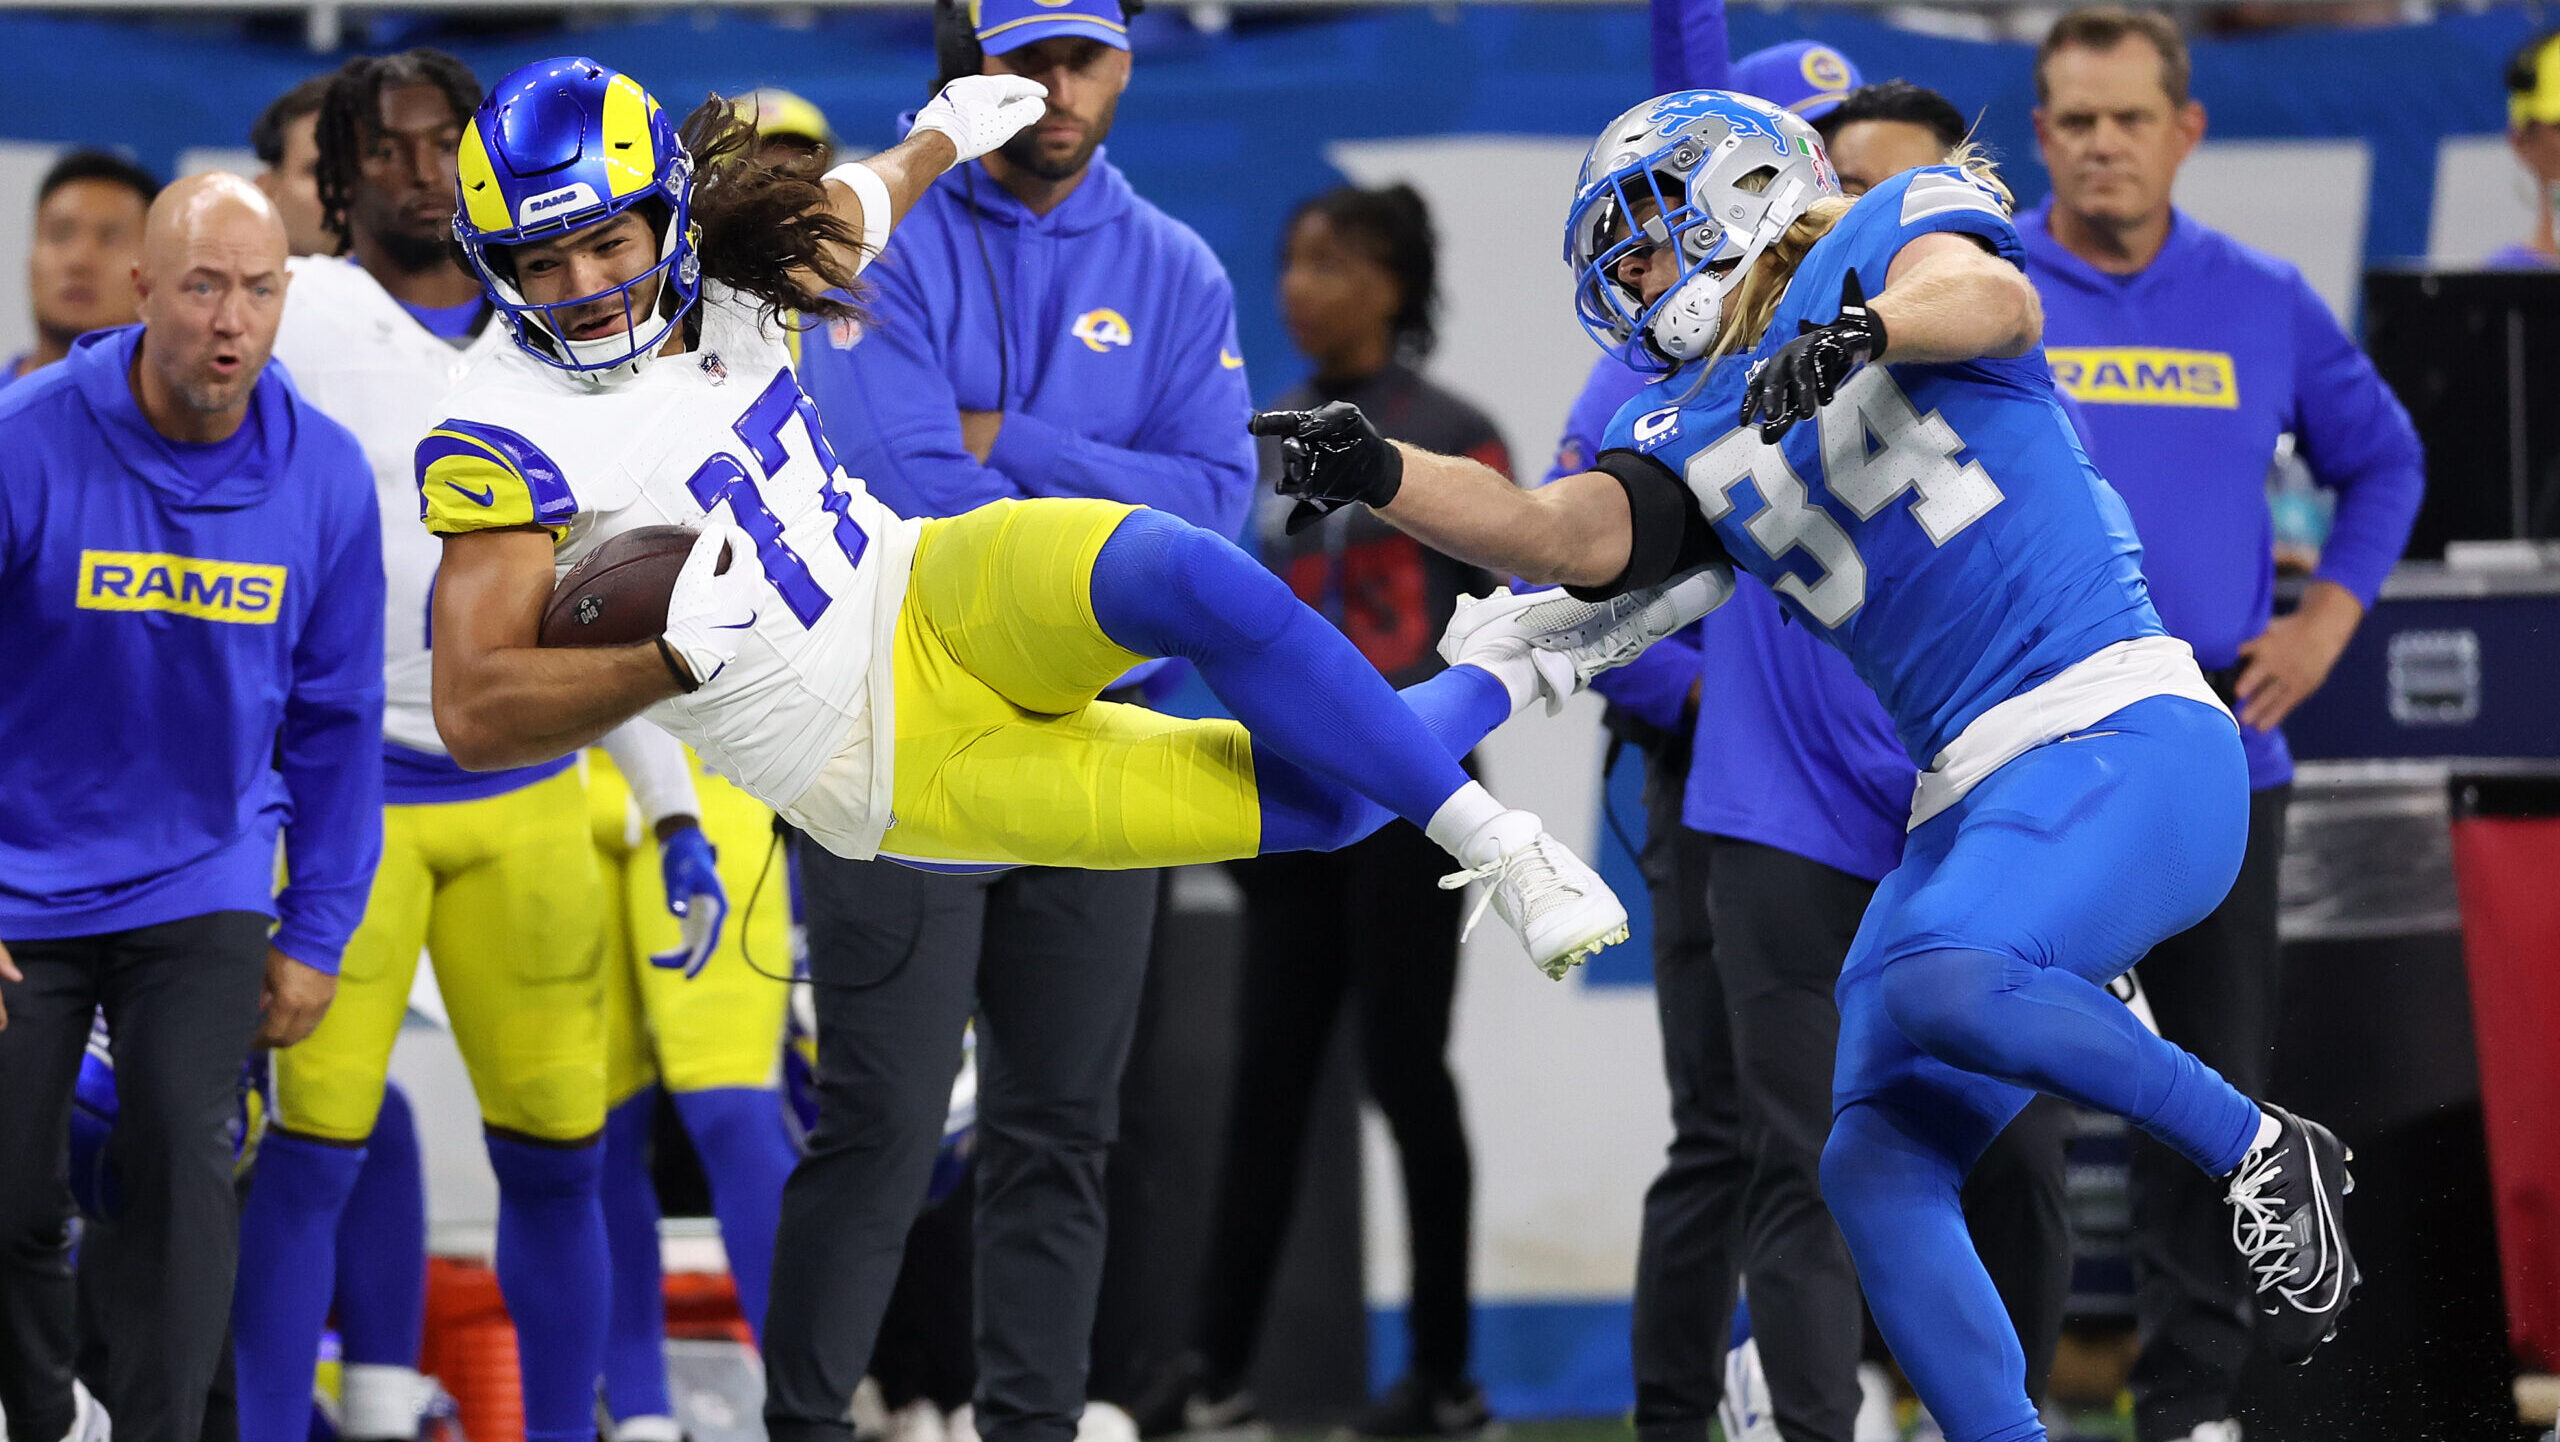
[(503, 892), (724, 1027), (1003, 754)]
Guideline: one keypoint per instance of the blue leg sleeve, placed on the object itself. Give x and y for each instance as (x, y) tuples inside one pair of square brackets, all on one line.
[(2012, 909), (552, 1271), (1164, 587), (288, 1251), (635, 1351), (381, 1299), (1893, 1187), (747, 1153), (2048, 1030), (1302, 811)]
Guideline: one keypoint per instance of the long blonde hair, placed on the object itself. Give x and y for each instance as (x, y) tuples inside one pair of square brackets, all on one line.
[(1755, 300)]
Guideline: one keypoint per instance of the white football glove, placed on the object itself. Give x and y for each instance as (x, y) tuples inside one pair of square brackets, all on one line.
[(982, 112), (708, 614)]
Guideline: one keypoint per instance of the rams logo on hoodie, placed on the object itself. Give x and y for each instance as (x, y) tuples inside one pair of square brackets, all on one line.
[(245, 592)]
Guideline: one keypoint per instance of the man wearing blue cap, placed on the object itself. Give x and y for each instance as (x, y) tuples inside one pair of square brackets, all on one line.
[(1036, 329)]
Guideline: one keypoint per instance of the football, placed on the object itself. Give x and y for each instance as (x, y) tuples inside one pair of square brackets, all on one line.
[(617, 595)]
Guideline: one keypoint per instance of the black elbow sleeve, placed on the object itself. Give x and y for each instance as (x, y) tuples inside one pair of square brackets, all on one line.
[(1669, 533)]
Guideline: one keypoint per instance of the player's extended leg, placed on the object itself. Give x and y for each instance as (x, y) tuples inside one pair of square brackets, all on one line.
[(328, 1093), (2055, 873), (1018, 614), (1162, 587), (515, 941)]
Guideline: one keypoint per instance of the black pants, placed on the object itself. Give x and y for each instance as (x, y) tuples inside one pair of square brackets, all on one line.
[(1051, 963), (1749, 941), (2213, 988), (182, 1003), (1370, 923)]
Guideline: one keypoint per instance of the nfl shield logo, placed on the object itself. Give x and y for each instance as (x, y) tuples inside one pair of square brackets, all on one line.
[(712, 367)]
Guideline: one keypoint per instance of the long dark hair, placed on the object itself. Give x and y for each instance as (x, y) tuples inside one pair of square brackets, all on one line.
[(353, 107), (1393, 225), (767, 231)]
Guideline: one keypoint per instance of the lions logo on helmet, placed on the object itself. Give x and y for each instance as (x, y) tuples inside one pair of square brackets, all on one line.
[(558, 146), (1717, 176)]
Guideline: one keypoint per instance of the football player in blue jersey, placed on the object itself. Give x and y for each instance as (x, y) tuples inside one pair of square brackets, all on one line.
[(2082, 792)]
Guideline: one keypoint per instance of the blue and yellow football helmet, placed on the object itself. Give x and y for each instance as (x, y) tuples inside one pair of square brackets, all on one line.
[(558, 146)]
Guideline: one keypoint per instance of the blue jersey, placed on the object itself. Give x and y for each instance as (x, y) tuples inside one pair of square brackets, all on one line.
[(197, 632), (1940, 524)]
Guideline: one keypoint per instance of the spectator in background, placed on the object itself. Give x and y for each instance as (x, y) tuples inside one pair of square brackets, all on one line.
[(2533, 131), (190, 557), (80, 258), (2125, 278), (286, 142), (1368, 924), (1037, 329), (788, 128)]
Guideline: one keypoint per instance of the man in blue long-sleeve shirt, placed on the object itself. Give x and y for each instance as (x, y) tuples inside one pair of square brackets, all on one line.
[(1036, 329), (2190, 354), (191, 570)]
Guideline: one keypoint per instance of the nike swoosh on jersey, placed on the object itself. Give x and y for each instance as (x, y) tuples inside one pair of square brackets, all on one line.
[(1229, 360), (487, 496)]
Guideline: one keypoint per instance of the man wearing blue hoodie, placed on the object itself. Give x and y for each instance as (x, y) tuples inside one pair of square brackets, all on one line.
[(1037, 329), (2190, 354), (191, 568)]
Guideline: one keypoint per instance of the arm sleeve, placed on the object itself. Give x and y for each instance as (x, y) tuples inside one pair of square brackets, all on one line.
[(1654, 687), (2358, 442), (474, 476), (1671, 533), (330, 747), (1192, 457), (1690, 50), (903, 433), (653, 764)]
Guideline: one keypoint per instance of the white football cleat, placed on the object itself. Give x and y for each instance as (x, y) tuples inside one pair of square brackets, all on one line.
[(1561, 908), (1570, 641)]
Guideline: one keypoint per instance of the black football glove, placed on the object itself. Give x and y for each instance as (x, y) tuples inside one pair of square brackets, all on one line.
[(1806, 372), (1330, 457)]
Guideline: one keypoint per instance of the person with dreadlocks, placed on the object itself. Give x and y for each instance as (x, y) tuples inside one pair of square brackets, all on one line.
[(491, 873)]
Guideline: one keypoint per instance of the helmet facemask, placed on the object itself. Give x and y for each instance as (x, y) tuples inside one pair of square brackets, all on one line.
[(1720, 200)]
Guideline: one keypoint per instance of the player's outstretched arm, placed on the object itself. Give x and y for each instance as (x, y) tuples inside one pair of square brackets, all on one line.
[(501, 700), (1576, 530), (973, 115), (1947, 299)]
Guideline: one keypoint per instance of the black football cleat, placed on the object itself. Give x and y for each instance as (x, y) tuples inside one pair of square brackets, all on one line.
[(2288, 1218)]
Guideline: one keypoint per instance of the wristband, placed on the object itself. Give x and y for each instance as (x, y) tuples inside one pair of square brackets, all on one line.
[(873, 192), (675, 668)]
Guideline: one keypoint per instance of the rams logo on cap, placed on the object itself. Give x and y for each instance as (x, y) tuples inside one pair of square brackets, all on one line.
[(1102, 329), (1825, 69)]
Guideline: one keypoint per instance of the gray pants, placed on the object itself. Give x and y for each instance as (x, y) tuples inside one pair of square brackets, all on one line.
[(182, 1004), (1051, 962)]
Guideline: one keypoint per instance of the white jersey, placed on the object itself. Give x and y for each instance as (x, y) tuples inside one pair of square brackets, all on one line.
[(358, 355), (721, 426)]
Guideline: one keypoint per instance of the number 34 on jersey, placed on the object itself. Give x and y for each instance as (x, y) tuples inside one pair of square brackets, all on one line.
[(1876, 449)]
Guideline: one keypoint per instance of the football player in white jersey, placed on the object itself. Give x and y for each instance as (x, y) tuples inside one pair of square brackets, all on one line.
[(491, 872), (923, 690)]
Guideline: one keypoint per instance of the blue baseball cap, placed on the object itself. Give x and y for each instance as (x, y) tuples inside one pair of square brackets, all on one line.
[(1805, 76), (1003, 25)]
